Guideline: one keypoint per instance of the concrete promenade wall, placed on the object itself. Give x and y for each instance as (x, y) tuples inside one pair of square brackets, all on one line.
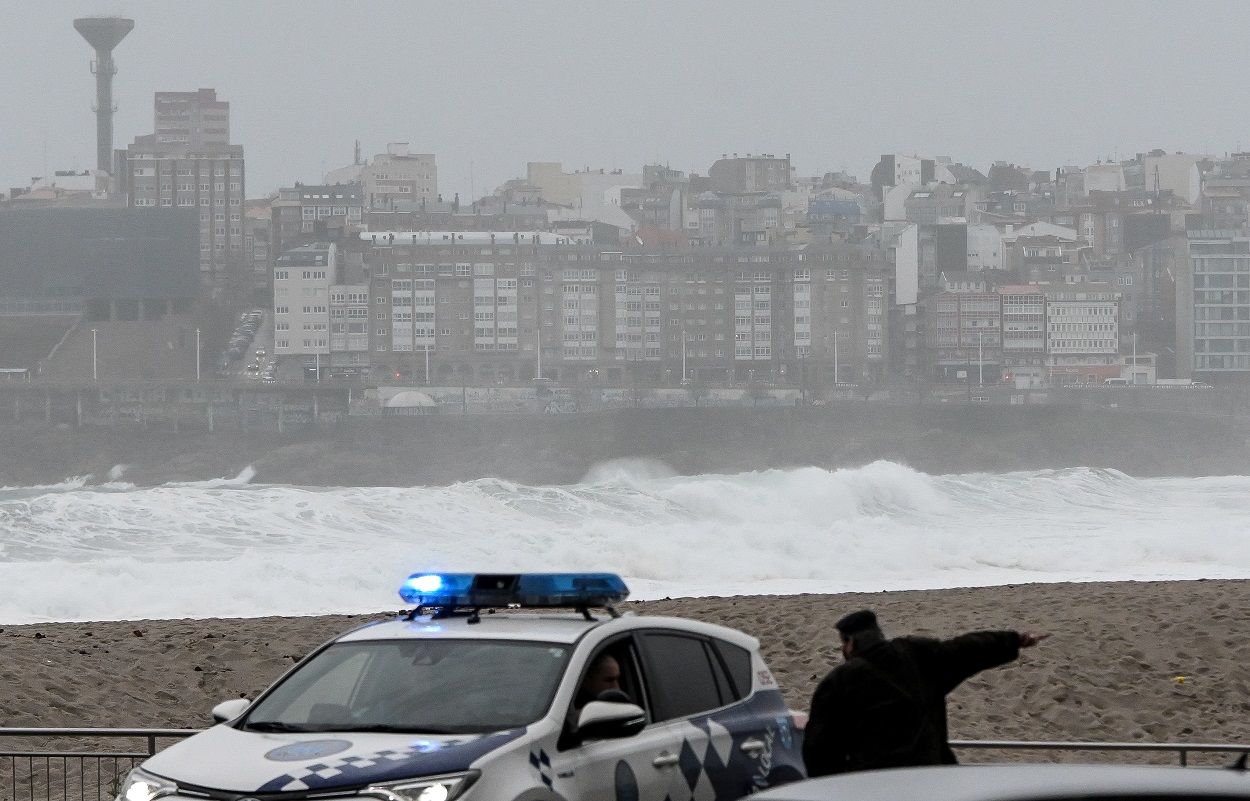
[(561, 448)]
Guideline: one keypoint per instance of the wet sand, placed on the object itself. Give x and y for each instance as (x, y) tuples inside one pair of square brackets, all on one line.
[(1110, 672)]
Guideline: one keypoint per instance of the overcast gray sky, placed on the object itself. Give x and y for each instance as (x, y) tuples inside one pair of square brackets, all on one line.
[(488, 86)]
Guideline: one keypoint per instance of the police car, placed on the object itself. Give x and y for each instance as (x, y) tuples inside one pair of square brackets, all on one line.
[(480, 694)]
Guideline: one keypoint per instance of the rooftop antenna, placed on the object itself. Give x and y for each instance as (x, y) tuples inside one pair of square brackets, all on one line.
[(104, 34)]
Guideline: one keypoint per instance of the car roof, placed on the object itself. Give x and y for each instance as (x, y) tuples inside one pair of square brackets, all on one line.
[(1016, 783), (560, 627)]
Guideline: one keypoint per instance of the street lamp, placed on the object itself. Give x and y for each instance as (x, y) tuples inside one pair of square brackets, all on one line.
[(683, 352), (835, 359), (94, 374)]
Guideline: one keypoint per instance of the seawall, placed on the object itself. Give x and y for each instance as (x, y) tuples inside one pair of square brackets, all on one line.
[(561, 448)]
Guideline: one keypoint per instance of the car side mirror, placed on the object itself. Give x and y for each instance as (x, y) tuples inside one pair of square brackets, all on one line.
[(229, 710), (607, 720)]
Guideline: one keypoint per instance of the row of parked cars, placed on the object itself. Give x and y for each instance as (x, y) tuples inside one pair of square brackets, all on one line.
[(241, 340)]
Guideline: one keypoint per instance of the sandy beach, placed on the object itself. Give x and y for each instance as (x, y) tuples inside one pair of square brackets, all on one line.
[(1110, 672)]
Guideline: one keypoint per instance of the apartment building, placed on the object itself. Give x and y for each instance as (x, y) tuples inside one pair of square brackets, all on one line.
[(307, 213), (1082, 336), (194, 119), (447, 307), (1024, 334), (258, 248), (963, 335), (940, 202), (302, 278), (507, 306), (750, 175), (399, 175), (203, 172), (349, 330), (1213, 307)]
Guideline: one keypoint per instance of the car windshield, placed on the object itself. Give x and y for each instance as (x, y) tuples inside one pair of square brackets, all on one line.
[(418, 686)]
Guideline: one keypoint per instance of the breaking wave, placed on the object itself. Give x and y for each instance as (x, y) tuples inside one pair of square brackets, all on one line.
[(227, 548)]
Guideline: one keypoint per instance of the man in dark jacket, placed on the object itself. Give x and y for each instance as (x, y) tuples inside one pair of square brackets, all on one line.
[(885, 707)]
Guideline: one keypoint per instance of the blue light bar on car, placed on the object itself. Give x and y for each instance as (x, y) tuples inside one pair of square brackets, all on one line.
[(506, 589)]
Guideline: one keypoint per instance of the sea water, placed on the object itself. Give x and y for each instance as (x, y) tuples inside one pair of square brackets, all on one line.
[(232, 548)]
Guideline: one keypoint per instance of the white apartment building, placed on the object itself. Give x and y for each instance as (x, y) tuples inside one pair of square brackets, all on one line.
[(302, 279), (1082, 336)]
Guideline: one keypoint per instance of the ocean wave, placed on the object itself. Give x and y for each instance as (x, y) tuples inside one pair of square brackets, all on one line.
[(229, 547)]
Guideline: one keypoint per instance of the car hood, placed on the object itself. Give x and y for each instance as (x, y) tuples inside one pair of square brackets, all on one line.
[(225, 758)]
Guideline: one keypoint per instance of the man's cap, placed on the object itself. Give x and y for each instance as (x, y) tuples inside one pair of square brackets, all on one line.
[(856, 622)]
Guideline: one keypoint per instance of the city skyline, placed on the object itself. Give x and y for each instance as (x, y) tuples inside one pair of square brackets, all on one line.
[(621, 88)]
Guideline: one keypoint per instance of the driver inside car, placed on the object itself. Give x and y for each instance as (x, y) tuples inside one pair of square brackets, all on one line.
[(604, 675)]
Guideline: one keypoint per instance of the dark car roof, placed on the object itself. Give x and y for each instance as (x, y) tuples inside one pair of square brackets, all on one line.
[(1016, 783)]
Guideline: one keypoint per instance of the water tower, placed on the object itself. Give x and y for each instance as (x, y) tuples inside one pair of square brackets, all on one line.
[(103, 33)]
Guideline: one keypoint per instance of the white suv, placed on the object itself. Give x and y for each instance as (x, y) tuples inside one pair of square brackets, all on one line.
[(461, 703)]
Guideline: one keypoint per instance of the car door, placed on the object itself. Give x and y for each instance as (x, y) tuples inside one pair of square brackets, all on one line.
[(637, 768), (722, 744)]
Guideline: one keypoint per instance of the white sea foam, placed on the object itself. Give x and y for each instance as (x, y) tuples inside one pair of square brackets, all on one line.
[(76, 551)]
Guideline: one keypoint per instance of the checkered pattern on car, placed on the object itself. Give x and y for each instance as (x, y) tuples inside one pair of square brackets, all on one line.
[(340, 771), (712, 765), (420, 758), (541, 762), (703, 764)]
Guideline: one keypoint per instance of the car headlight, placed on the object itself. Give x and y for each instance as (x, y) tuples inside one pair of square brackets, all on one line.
[(143, 786), (429, 788)]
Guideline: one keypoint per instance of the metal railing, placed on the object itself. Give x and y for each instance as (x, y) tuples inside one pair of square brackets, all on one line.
[(1182, 750), (41, 771)]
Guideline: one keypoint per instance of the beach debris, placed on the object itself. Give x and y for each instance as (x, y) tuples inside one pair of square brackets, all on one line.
[(39, 635), (137, 633), (1180, 679)]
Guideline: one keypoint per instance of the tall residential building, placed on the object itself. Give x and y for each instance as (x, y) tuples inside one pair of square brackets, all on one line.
[(258, 247), (202, 173), (1024, 334), (1213, 308), (192, 118)]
